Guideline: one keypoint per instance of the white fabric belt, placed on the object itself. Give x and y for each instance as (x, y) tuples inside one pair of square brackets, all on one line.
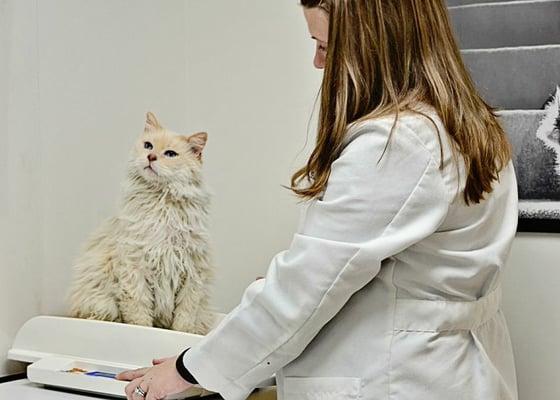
[(442, 315)]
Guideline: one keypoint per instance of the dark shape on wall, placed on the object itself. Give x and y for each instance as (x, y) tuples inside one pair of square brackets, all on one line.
[(535, 136)]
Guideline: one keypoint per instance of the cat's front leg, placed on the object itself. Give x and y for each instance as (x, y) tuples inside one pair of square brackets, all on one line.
[(136, 299), (192, 313)]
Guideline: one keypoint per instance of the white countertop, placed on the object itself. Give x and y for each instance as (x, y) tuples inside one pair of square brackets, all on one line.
[(22, 389)]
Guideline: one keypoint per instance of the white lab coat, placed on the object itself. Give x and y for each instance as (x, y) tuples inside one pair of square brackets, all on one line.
[(390, 288)]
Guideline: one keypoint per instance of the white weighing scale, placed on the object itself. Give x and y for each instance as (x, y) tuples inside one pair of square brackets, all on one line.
[(81, 355)]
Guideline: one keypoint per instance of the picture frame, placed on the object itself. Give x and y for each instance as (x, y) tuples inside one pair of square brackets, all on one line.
[(535, 138)]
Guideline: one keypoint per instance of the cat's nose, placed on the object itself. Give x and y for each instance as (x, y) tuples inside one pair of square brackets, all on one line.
[(151, 157)]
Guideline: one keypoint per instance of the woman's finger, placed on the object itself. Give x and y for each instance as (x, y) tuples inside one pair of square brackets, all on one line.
[(154, 394), (131, 374), (129, 389), (145, 386)]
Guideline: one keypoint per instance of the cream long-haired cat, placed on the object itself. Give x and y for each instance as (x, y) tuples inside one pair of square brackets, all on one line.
[(150, 265)]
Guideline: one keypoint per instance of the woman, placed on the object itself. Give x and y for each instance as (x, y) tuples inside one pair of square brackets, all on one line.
[(391, 287)]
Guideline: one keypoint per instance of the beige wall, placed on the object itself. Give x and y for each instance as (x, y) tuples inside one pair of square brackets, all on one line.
[(531, 306), (103, 64), (251, 85), (20, 177)]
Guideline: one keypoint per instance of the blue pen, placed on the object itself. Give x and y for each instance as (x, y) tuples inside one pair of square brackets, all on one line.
[(101, 374)]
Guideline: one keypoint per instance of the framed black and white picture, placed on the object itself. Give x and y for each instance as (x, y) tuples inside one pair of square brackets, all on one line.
[(535, 136)]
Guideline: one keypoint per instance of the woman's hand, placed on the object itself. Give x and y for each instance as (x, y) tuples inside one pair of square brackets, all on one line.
[(137, 373), (157, 382)]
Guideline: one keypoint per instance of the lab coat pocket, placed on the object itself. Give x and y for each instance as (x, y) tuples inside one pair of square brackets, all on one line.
[(321, 388)]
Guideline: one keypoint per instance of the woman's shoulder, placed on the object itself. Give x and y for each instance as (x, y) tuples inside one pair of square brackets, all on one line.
[(421, 133), (421, 128)]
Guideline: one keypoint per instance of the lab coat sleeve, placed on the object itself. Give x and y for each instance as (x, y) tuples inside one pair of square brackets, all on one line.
[(368, 212)]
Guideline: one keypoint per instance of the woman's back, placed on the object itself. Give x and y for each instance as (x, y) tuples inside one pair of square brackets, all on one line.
[(464, 258), (429, 325)]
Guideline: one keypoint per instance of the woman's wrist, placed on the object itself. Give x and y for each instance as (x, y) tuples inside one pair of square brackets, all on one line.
[(183, 371)]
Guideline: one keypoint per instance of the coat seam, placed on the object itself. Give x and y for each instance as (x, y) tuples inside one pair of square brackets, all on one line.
[(408, 199), (449, 195), (418, 138), (389, 365)]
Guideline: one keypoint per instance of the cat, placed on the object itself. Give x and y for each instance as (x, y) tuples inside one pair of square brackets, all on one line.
[(151, 265)]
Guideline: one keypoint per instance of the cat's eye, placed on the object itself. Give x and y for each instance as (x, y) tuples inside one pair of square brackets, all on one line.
[(148, 145), (170, 153)]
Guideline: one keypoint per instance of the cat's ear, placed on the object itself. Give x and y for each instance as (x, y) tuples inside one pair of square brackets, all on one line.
[(197, 142), (152, 124)]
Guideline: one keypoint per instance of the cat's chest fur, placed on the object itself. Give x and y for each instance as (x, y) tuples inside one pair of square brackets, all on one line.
[(163, 239), (168, 233)]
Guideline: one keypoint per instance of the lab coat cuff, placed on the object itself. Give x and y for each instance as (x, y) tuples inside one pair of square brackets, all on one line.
[(204, 369)]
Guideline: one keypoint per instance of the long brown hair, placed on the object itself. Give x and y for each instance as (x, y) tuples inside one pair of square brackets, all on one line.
[(384, 56)]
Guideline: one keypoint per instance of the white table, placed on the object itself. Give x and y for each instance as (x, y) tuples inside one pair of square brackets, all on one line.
[(22, 389)]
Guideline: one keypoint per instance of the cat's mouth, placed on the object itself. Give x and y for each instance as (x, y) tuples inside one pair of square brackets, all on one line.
[(149, 168)]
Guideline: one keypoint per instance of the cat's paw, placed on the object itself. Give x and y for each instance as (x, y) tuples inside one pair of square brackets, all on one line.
[(110, 314), (142, 320), (189, 326), (182, 326), (198, 327)]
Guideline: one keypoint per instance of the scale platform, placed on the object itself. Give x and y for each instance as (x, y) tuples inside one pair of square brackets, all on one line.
[(83, 355)]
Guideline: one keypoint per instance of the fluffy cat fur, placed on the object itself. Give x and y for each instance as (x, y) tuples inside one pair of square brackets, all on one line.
[(150, 265)]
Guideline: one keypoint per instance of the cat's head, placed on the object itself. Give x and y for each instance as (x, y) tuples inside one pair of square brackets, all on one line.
[(161, 156)]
